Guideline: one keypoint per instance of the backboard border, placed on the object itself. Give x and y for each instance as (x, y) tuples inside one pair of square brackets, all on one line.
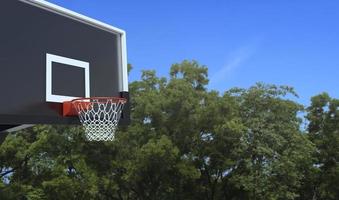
[(50, 58)]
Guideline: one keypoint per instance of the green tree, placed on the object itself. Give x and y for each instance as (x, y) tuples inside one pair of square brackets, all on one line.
[(323, 131), (196, 121), (276, 152), (45, 163)]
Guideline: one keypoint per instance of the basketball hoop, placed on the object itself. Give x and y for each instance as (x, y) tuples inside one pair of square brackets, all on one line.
[(98, 115)]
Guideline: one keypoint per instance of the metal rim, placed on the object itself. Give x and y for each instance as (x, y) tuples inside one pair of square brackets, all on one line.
[(87, 99)]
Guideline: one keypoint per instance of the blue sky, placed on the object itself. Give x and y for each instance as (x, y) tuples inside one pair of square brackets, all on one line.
[(242, 42)]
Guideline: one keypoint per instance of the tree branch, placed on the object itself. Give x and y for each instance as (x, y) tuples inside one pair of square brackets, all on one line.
[(7, 172)]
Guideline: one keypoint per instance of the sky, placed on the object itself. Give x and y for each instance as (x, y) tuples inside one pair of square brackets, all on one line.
[(242, 42)]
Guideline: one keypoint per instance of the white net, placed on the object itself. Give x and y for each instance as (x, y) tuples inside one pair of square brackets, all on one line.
[(99, 116)]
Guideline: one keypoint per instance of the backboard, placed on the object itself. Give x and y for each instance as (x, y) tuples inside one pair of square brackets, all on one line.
[(49, 55)]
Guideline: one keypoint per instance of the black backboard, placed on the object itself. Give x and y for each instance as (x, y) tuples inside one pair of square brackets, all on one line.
[(48, 55)]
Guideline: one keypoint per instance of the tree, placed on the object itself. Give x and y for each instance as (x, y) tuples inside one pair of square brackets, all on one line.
[(45, 163), (272, 164), (203, 125), (237, 141), (323, 131)]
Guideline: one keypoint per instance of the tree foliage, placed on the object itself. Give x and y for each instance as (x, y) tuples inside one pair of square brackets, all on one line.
[(184, 142), (323, 128)]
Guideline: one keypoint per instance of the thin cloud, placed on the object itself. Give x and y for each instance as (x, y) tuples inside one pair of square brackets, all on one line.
[(234, 61)]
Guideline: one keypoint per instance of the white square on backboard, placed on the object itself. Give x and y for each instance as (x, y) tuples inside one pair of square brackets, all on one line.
[(50, 58)]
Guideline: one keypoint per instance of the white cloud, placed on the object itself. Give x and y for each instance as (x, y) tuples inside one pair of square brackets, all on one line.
[(233, 61)]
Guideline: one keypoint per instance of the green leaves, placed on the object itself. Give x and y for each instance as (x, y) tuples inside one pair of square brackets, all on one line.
[(270, 166), (191, 72), (323, 115)]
